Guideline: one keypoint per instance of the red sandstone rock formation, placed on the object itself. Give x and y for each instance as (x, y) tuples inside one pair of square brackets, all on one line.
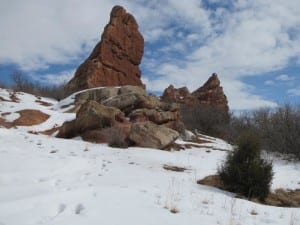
[(210, 94), (126, 113), (115, 59), (178, 95)]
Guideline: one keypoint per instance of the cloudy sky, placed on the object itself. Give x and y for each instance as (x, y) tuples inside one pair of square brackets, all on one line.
[(253, 45)]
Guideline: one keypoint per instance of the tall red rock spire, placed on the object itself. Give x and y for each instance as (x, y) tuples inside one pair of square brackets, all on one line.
[(116, 58)]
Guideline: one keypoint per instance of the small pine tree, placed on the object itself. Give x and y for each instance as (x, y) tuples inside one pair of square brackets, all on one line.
[(245, 172)]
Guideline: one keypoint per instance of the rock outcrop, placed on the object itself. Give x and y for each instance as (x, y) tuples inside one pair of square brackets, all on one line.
[(91, 116), (107, 112), (178, 95), (210, 94), (115, 59)]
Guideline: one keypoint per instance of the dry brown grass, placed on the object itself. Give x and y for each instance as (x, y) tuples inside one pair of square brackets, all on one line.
[(284, 198), (213, 181), (280, 197), (43, 103), (50, 131), (5, 124), (46, 132)]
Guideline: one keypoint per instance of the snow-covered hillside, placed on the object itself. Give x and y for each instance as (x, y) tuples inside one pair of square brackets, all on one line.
[(46, 180)]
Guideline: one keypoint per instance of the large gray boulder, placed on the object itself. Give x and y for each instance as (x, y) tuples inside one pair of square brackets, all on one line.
[(148, 134), (91, 115), (126, 102)]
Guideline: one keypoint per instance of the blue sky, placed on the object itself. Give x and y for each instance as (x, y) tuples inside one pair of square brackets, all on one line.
[(253, 45)]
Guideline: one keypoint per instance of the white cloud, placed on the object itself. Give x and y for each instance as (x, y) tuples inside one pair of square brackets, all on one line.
[(241, 98), (269, 82), (36, 33), (247, 39), (284, 77), (294, 91), (259, 37)]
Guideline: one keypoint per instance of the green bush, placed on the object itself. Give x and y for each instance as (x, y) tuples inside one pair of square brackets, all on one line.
[(244, 171)]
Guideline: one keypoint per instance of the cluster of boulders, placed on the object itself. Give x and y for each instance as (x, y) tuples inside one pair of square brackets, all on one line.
[(141, 119)]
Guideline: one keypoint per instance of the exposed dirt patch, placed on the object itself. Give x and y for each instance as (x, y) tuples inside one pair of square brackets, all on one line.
[(50, 131), (213, 181), (284, 198), (174, 168), (43, 103), (5, 124), (280, 197), (5, 113), (30, 117), (13, 97)]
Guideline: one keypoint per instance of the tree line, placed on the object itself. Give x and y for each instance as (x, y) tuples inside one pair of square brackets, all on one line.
[(277, 128), (20, 82)]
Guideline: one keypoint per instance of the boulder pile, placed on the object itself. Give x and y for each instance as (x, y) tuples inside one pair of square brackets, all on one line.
[(141, 119)]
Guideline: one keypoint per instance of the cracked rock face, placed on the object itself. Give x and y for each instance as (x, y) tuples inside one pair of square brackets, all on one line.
[(116, 58)]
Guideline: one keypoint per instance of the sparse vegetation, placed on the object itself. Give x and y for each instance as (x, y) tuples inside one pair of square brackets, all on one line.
[(23, 83), (278, 129), (279, 197), (245, 172), (207, 120)]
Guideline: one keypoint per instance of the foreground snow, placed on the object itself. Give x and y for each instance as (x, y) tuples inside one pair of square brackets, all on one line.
[(45, 180), (54, 181)]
